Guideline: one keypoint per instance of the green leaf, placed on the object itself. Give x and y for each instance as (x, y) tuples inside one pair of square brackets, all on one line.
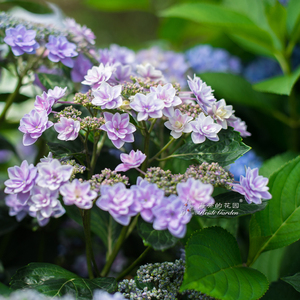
[(293, 15), (236, 89), (214, 267), (4, 290), (19, 99), (269, 263), (293, 281), (275, 163), (52, 280), (228, 20), (157, 239), (49, 81), (119, 5), (102, 224), (228, 149), (232, 205), (278, 225), (281, 85), (33, 7), (281, 290)]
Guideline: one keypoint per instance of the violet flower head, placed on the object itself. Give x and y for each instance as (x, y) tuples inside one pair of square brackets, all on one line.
[(21, 181), (240, 126), (121, 73), (222, 113), (168, 215), (81, 66), (195, 193), (33, 125), (78, 193), (68, 129), (204, 127), (148, 71), (57, 93), (118, 128), (44, 204), (21, 40), (202, 91), (147, 106), (61, 50), (52, 174), (167, 94), (179, 123), (96, 75), (122, 55), (148, 195), (44, 103), (253, 186), (119, 202), (108, 97), (15, 207), (131, 160)]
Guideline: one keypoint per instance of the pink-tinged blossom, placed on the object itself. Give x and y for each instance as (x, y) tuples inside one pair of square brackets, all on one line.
[(57, 93), (21, 181), (61, 50), (131, 160), (253, 186), (240, 126), (44, 204), (204, 127), (21, 40), (68, 129), (82, 34), (16, 208), (147, 106), (222, 113), (148, 195), (148, 71), (33, 125), (81, 66), (45, 159), (178, 124), (119, 202), (78, 193), (107, 97), (119, 129), (96, 75), (44, 103), (203, 92), (196, 194), (168, 215), (167, 94), (52, 174)]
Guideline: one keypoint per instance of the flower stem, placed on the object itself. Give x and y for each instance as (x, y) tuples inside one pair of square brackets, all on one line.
[(132, 266), (146, 147), (162, 150), (115, 251)]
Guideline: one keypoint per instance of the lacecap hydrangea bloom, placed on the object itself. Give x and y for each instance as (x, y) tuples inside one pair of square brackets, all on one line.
[(33, 125), (253, 187), (21, 40), (132, 160), (60, 49), (68, 129)]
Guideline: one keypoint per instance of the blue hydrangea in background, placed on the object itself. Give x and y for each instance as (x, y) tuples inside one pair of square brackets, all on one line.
[(204, 58), (250, 159)]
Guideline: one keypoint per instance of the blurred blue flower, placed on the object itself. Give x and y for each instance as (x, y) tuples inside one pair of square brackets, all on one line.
[(250, 159)]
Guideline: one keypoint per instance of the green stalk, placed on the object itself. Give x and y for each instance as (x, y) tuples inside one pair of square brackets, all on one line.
[(146, 148), (88, 242), (115, 251), (132, 266), (98, 145), (162, 150)]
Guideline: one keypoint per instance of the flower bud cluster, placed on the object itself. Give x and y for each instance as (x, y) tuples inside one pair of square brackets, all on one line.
[(77, 168), (70, 113), (164, 179), (210, 173), (107, 177), (160, 281), (91, 122), (191, 109), (84, 99)]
